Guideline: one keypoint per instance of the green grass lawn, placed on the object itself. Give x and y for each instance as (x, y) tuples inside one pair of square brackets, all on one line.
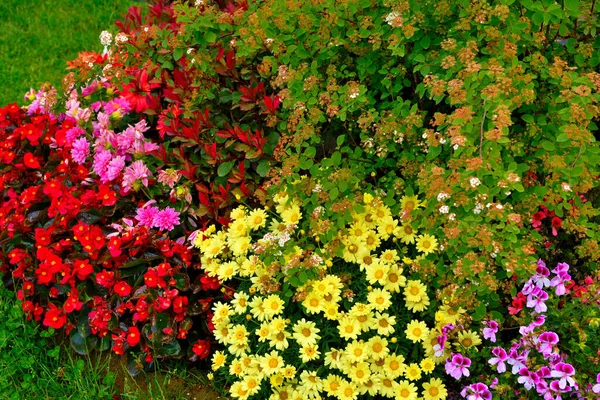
[(38, 37)]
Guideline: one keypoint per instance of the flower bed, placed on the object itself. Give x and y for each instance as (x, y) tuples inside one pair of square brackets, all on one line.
[(325, 205)]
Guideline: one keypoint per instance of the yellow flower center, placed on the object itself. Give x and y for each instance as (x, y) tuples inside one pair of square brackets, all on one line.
[(404, 392), (467, 342), (273, 363), (377, 347), (393, 277), (433, 391), (306, 332)]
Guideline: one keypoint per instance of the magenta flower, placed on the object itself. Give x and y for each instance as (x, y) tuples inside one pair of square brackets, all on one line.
[(561, 277), (490, 331), (101, 160), (457, 366), (498, 361), (518, 361), (73, 134), (476, 391), (546, 342), (536, 300), (166, 219), (80, 150), (119, 104), (542, 273), (528, 379), (114, 168), (145, 215), (564, 372), (137, 171), (596, 387)]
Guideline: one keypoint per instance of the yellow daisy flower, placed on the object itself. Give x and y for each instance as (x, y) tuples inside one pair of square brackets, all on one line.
[(426, 244), (272, 363), (416, 331), (412, 372), (379, 299), (409, 203), (427, 365), (306, 332), (434, 390), (406, 391), (406, 234), (468, 339)]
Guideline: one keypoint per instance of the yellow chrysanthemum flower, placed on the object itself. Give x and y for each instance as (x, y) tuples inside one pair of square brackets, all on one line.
[(236, 368), (406, 391), (306, 332), (406, 234), (314, 303), (427, 365), (468, 339), (426, 244), (448, 315), (414, 291), (333, 358), (257, 219), (413, 372), (272, 363), (292, 215), (347, 391), (409, 203), (357, 350), (332, 384), (434, 390), (309, 352), (379, 299), (218, 360), (384, 324), (273, 305), (377, 273), (378, 347), (238, 213), (349, 328), (279, 340), (359, 372), (394, 365), (394, 279), (416, 331), (240, 302), (238, 228), (263, 332)]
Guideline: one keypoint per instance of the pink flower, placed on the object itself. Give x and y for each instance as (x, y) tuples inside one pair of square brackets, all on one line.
[(146, 215), (457, 366), (166, 219), (101, 160), (80, 150), (490, 331), (73, 134), (501, 356), (476, 391), (564, 372), (115, 166), (135, 172)]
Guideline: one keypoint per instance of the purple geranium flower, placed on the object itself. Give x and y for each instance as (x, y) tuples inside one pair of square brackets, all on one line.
[(501, 356), (490, 331), (457, 366), (476, 391), (564, 372)]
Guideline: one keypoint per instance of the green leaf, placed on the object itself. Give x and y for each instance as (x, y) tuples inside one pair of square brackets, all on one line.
[(336, 158), (340, 140), (263, 167), (177, 53), (167, 350), (79, 344), (548, 146), (572, 5), (210, 36), (225, 168), (310, 152)]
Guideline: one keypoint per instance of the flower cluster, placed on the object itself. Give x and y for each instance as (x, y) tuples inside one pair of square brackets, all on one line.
[(315, 318)]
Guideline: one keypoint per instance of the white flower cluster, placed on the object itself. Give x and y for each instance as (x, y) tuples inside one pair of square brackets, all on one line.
[(474, 182), (121, 38), (105, 38), (478, 208)]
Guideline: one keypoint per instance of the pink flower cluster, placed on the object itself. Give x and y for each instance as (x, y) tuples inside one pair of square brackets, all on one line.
[(153, 217)]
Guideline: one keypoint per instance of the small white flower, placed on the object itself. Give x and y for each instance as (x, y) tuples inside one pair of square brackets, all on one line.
[(566, 187), (146, 29), (499, 206), (190, 50), (442, 247), (474, 182), (121, 38), (318, 188), (268, 41), (493, 255), (105, 38), (455, 147), (442, 195), (198, 3), (442, 141), (391, 17), (424, 135), (444, 209), (452, 217), (478, 208), (507, 193), (91, 65)]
